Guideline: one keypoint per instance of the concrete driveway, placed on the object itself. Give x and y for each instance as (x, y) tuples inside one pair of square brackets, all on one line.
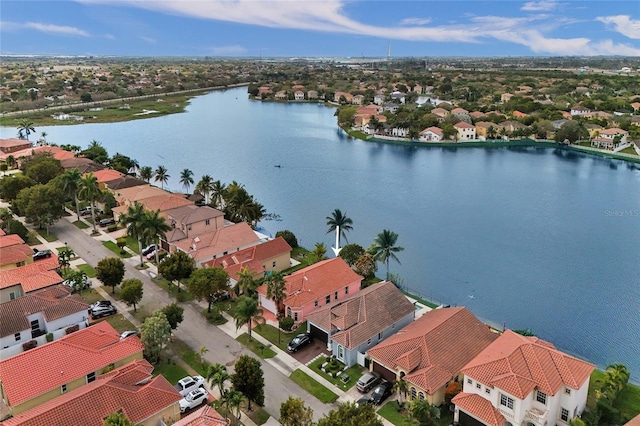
[(309, 352)]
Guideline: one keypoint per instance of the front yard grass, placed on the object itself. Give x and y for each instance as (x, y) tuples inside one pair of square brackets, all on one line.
[(354, 372), (628, 402), (50, 237), (120, 323), (256, 347), (270, 333), (114, 248), (91, 295), (312, 386), (87, 269), (257, 413), (181, 296), (132, 243), (390, 411), (171, 371), (80, 224), (629, 150)]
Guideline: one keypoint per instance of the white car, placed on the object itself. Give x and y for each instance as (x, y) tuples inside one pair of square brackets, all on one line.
[(188, 384), (193, 399)]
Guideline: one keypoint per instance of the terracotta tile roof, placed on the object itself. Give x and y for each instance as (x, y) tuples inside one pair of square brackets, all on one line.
[(33, 276), (10, 240), (84, 165), (124, 182), (486, 124), (432, 129), (107, 175), (15, 254), (13, 143), (316, 281), (54, 303), (64, 360), (165, 202), (109, 393), (463, 125), (190, 213), (138, 193), (435, 347), (251, 257), (479, 408), (230, 238), (175, 235), (205, 416), (521, 364), (459, 111), (363, 315)]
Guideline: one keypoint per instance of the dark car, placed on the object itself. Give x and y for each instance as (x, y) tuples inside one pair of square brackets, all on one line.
[(107, 222), (363, 401), (298, 342), (380, 393), (41, 254)]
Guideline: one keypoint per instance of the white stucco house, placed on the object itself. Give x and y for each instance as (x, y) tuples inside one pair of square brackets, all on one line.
[(519, 380), (431, 134), (466, 131)]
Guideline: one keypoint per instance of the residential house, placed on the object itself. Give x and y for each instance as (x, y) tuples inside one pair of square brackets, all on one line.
[(123, 182), (460, 112), (64, 365), (205, 416), (51, 310), (486, 130), (476, 115), (370, 129), (190, 220), (337, 97), (635, 106), (417, 89), (219, 242), (129, 196), (519, 114), (15, 252), (315, 286), (106, 175), (522, 380), (557, 124), (506, 97), (281, 95), (298, 95), (312, 94), (84, 165), (263, 90), (17, 282), (465, 130), (391, 107), (440, 113), (579, 110), (431, 134), (510, 126), (430, 352), (56, 152), (132, 389), (379, 99), (397, 97), (261, 259), (400, 132), (357, 100), (12, 145), (610, 138), (355, 324)]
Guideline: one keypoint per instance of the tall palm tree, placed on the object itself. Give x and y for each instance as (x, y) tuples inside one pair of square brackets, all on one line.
[(276, 290), (248, 312), (246, 283), (90, 191), (204, 187), (25, 128), (132, 219), (146, 173), (71, 186), (384, 248), (43, 137), (401, 387), (186, 179), (217, 375), (232, 400), (340, 223), (162, 175), (319, 252), (155, 227), (217, 189)]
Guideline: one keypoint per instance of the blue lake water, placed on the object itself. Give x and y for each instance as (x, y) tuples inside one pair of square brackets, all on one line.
[(524, 237)]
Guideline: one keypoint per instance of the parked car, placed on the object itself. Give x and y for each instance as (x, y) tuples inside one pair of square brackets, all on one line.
[(41, 254), (86, 283), (129, 333), (107, 222), (152, 253), (188, 384), (87, 211), (99, 303), (363, 401), (193, 399), (148, 249), (381, 392), (298, 342), (367, 381), (102, 310)]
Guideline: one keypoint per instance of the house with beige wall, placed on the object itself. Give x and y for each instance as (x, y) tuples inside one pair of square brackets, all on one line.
[(16, 282)]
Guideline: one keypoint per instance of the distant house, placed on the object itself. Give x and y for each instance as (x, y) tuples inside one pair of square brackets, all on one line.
[(11, 145), (337, 97), (430, 352), (312, 94), (506, 97), (84, 165), (281, 95), (440, 113), (298, 95), (15, 252), (51, 310), (579, 110), (610, 138), (17, 282), (357, 100), (486, 129), (315, 286), (398, 97), (190, 220), (379, 99), (431, 134), (460, 112), (519, 114), (400, 132), (522, 380), (635, 106), (64, 365), (391, 107), (355, 324), (465, 130), (106, 175)]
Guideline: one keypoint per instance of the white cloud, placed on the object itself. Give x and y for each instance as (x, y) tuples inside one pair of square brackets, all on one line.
[(623, 24), (539, 6), (109, 37), (415, 21), (44, 28), (234, 50), (148, 39)]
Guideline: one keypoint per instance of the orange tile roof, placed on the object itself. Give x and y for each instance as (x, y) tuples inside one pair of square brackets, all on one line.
[(435, 347), (316, 281), (112, 392), (15, 254), (519, 364), (106, 175), (165, 202), (205, 416), (10, 240), (64, 360), (479, 408), (214, 243), (33, 276), (463, 125), (137, 193), (363, 315)]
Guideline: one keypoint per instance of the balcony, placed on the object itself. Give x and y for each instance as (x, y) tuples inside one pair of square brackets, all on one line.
[(507, 413), (536, 415)]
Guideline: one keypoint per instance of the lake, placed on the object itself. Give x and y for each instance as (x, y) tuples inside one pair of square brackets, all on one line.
[(533, 238)]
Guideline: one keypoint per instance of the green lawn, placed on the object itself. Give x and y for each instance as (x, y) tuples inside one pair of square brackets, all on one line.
[(172, 372), (91, 296), (193, 359), (353, 372), (313, 387), (390, 412), (257, 413), (629, 150), (120, 323), (80, 224), (114, 248), (270, 333), (628, 402), (87, 269), (132, 243), (182, 296), (50, 237), (258, 348)]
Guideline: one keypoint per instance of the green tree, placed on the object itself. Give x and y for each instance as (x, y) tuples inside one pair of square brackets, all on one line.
[(131, 292), (71, 186), (186, 179), (232, 400), (176, 267), (86, 97), (276, 290), (217, 375), (348, 414), (96, 152), (204, 187), (340, 223), (351, 252), (43, 168), (569, 131), (401, 388), (293, 412), (318, 253), (117, 419), (174, 314), (246, 283), (155, 333), (132, 221), (10, 186), (289, 237), (146, 173), (40, 204), (207, 283), (25, 128), (64, 259), (384, 248), (345, 115), (161, 175), (424, 413), (78, 280), (217, 190), (90, 191), (154, 227), (110, 271), (247, 312), (248, 379)]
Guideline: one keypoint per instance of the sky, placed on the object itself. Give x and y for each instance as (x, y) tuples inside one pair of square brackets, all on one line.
[(326, 28)]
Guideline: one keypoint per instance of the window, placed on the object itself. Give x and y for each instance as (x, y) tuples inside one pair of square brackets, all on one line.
[(340, 351), (17, 336), (335, 295), (327, 299), (564, 414), (541, 397), (369, 342), (316, 303), (91, 377), (346, 290), (295, 316), (35, 325), (487, 391), (12, 296), (506, 401), (289, 311), (63, 388), (207, 222), (413, 393), (379, 336), (567, 391), (469, 381), (478, 386), (273, 265), (421, 395)]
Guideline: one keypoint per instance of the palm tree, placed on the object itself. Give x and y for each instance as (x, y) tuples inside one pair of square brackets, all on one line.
[(384, 248), (232, 400), (186, 179), (401, 387), (204, 187), (146, 173), (217, 190), (276, 290), (217, 375), (161, 175), (425, 413), (341, 224), (132, 219), (154, 228), (248, 312), (71, 185), (25, 128), (246, 283), (90, 191), (64, 259), (43, 137), (319, 252)]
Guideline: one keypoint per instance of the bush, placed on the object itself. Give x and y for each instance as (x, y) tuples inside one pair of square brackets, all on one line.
[(49, 337), (71, 329), (286, 323), (112, 228), (29, 345), (17, 227), (289, 237)]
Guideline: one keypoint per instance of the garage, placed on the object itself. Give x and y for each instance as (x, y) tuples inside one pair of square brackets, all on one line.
[(466, 420), (389, 376), (318, 333)]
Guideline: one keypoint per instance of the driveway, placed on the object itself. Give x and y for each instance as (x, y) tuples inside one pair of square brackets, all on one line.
[(311, 351)]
